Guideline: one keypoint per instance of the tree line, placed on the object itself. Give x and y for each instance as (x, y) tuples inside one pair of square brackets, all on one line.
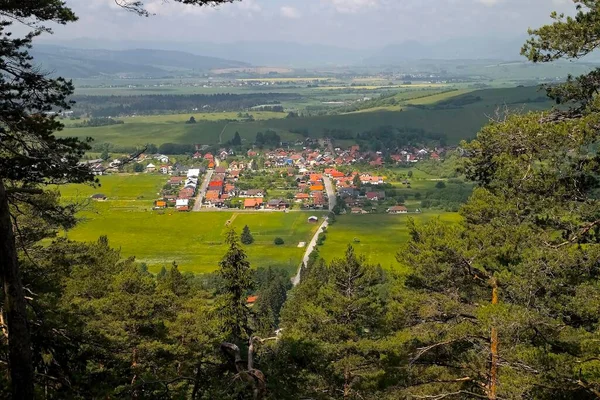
[(114, 106)]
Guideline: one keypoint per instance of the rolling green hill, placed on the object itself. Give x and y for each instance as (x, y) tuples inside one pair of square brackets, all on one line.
[(457, 117)]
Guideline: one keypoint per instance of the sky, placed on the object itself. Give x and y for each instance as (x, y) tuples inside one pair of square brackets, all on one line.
[(345, 23)]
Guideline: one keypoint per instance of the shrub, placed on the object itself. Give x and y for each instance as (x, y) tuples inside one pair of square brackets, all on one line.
[(278, 241)]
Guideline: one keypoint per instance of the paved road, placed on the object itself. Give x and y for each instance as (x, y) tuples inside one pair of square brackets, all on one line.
[(309, 249), (202, 190), (313, 243), (330, 192)]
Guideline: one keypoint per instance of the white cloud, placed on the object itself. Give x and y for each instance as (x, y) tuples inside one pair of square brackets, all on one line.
[(489, 3), (290, 12), (353, 6)]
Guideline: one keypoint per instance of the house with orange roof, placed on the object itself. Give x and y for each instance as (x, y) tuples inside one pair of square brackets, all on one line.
[(251, 300), (254, 203), (315, 178)]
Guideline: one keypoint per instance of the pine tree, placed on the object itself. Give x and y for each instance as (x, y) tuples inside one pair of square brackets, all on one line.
[(333, 324), (31, 157), (246, 236), (237, 281), (237, 140)]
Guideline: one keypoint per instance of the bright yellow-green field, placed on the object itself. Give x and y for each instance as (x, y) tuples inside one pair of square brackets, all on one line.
[(376, 236), (127, 191), (439, 97), (193, 240), (182, 118)]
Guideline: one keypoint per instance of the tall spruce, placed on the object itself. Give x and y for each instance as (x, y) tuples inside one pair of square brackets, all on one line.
[(333, 331), (246, 236), (236, 275)]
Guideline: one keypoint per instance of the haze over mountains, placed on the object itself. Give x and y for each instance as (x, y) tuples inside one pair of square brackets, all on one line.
[(202, 55), (84, 58), (84, 63)]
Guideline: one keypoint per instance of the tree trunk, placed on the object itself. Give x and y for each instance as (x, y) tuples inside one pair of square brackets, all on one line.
[(492, 393), (196, 389), (19, 337), (347, 389)]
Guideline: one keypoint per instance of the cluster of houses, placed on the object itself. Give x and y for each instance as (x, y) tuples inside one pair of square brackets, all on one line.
[(181, 190), (306, 159), (311, 192), (222, 188)]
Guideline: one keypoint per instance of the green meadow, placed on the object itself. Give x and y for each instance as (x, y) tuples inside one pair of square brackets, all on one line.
[(375, 236), (195, 240), (128, 191)]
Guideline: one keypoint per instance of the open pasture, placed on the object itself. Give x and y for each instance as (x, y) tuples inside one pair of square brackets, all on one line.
[(376, 236), (134, 190), (195, 240)]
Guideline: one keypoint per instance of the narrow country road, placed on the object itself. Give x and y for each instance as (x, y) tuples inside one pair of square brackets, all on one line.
[(202, 190), (222, 132), (309, 249), (313, 243), (330, 192)]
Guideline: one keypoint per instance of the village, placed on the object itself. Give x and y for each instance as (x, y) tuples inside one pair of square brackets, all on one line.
[(278, 180)]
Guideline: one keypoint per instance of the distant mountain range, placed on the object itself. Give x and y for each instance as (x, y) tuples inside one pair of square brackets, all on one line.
[(452, 49), (268, 53), (85, 63), (117, 58)]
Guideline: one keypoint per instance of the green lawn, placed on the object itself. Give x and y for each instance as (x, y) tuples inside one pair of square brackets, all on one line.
[(378, 236)]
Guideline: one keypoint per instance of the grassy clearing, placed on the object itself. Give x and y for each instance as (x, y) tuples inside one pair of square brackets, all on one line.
[(195, 240), (378, 236)]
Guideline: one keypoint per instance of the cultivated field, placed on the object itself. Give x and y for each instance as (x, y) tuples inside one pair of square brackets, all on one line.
[(376, 236)]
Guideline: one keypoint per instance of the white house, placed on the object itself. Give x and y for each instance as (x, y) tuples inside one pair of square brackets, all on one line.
[(193, 173), (182, 203), (163, 159), (150, 167)]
